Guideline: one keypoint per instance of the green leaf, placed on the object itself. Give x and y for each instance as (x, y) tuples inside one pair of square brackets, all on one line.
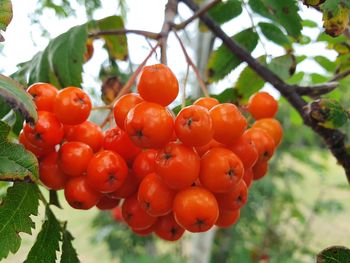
[(309, 23), (16, 163), (248, 83), (275, 34), (335, 6), (222, 61), (284, 12), (21, 202), (318, 78), (297, 78), (283, 66), (335, 254), (5, 15), (69, 255), (17, 98), (326, 63), (61, 63), (225, 11), (117, 46), (47, 242), (228, 95)]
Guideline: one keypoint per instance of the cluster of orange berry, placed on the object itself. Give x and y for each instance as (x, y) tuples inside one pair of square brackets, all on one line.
[(166, 173)]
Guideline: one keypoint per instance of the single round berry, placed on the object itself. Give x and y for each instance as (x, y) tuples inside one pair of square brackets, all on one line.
[(262, 105), (123, 105), (46, 132), (44, 95), (158, 84), (72, 106)]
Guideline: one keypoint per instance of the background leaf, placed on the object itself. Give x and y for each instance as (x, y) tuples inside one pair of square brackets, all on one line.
[(225, 11), (284, 12), (20, 203), (5, 15), (275, 34), (61, 63), (17, 98), (222, 61), (283, 66), (248, 83), (116, 46), (47, 242), (16, 163)]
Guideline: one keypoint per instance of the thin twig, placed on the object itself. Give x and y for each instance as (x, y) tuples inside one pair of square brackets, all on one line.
[(200, 11), (254, 26), (183, 104), (103, 107), (341, 75), (128, 85), (169, 16), (316, 90), (195, 69), (146, 34)]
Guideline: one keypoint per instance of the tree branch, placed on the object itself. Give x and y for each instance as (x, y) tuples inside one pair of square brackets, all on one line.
[(316, 90), (341, 75), (334, 139), (169, 16), (147, 34), (200, 11)]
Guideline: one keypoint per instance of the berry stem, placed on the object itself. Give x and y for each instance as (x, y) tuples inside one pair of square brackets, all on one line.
[(195, 69), (183, 99)]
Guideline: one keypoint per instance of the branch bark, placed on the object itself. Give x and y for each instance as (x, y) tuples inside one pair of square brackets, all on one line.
[(334, 139), (169, 16)]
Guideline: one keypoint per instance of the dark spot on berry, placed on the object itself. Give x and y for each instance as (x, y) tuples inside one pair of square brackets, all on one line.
[(78, 204), (38, 136), (139, 134), (111, 178), (167, 156), (230, 173), (173, 231), (189, 122)]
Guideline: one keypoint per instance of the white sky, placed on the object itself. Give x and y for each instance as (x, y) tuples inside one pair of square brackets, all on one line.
[(23, 40)]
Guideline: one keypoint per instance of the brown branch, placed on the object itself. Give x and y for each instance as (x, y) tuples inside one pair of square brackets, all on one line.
[(128, 85), (341, 75), (146, 34), (169, 16), (334, 139), (316, 90), (200, 11), (195, 69)]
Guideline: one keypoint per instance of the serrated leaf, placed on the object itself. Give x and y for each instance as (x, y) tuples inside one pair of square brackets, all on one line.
[(21, 202), (5, 15), (117, 46), (47, 242), (225, 11), (284, 12), (275, 34), (248, 83), (69, 254), (61, 63), (326, 63), (17, 98), (335, 254), (16, 163), (283, 66), (222, 61)]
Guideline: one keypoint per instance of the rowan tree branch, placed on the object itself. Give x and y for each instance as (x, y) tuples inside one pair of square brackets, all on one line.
[(334, 139), (200, 11), (169, 16), (316, 90), (146, 34)]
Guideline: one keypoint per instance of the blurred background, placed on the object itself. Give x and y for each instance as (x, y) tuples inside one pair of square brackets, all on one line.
[(298, 209)]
